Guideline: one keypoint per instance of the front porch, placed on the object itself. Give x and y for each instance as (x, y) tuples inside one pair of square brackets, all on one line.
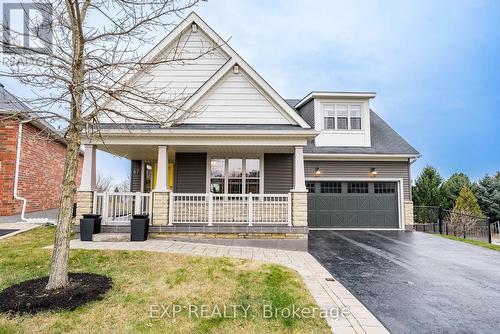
[(252, 190), (197, 209)]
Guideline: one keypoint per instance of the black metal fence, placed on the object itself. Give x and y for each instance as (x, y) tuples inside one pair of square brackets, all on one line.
[(432, 219)]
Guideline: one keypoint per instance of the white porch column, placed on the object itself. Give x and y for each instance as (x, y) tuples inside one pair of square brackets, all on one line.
[(161, 193), (299, 180), (87, 182), (161, 173)]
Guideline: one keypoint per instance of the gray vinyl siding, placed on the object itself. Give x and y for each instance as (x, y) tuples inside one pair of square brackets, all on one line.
[(278, 173), (307, 113), (135, 175), (361, 169), (190, 173)]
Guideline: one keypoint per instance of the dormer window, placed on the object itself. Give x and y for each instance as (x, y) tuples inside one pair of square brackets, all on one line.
[(342, 116)]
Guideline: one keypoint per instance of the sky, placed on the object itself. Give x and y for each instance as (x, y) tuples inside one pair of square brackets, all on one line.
[(435, 66)]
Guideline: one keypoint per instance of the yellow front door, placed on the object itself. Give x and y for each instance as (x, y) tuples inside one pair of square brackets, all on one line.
[(170, 175)]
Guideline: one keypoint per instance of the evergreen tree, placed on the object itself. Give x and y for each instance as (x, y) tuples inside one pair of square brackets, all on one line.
[(488, 195), (451, 188), (466, 203), (427, 188)]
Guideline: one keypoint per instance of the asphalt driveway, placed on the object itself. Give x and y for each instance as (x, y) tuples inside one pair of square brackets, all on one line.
[(6, 231), (415, 282)]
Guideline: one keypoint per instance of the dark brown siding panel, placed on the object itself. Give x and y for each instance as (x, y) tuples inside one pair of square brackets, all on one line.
[(307, 113), (361, 169), (135, 176), (278, 173), (190, 173)]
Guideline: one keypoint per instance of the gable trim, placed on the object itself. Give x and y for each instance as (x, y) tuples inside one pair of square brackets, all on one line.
[(218, 78), (236, 59)]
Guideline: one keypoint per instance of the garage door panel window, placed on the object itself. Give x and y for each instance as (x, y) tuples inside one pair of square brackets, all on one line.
[(384, 188), (330, 187), (310, 187), (357, 188)]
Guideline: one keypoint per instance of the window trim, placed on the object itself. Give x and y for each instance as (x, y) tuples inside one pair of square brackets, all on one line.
[(335, 117), (226, 177)]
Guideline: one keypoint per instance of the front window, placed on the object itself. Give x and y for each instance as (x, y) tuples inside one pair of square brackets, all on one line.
[(252, 176), (355, 116), (342, 116), (329, 115), (217, 173), (235, 176)]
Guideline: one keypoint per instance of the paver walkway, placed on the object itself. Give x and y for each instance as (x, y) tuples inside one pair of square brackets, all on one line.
[(328, 293)]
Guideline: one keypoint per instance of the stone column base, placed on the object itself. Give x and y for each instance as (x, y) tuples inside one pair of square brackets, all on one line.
[(160, 208), (84, 204), (299, 208), (408, 216)]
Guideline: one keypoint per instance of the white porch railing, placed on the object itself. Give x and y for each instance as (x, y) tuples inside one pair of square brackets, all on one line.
[(239, 209), (116, 208)]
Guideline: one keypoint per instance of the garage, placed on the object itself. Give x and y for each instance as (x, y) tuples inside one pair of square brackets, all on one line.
[(353, 204)]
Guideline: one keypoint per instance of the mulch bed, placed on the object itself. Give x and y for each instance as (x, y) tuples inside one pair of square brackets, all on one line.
[(30, 297)]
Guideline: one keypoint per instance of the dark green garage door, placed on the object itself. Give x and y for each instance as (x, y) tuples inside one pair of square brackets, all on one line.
[(353, 204)]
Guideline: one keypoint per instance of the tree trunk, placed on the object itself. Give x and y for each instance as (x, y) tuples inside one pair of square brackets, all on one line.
[(59, 266)]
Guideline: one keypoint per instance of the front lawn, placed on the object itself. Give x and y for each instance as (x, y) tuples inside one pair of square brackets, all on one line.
[(148, 283), (473, 242)]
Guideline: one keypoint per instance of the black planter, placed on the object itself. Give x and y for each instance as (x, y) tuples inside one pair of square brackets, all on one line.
[(139, 228), (87, 226), (97, 221)]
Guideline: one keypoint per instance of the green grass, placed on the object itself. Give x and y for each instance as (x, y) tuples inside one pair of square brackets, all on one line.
[(473, 242), (142, 279)]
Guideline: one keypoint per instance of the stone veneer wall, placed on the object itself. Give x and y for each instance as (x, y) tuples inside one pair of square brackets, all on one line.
[(299, 208), (85, 201), (408, 217), (160, 208)]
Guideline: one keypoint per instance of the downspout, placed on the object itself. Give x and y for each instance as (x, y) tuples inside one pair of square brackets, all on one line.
[(18, 159)]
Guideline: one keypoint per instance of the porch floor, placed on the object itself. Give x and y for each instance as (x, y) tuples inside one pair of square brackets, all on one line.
[(328, 293)]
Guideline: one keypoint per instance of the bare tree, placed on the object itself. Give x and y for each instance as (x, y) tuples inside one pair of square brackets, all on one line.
[(103, 182), (123, 186), (83, 73)]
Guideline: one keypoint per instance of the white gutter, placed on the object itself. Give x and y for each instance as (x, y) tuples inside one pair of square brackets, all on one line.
[(16, 177), (360, 156)]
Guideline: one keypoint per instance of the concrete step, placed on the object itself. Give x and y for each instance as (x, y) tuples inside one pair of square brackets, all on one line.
[(111, 237)]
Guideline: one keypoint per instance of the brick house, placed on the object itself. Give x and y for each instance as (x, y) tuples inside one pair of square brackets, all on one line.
[(41, 160)]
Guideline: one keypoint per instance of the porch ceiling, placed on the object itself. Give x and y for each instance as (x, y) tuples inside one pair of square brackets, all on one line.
[(131, 152), (150, 152)]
